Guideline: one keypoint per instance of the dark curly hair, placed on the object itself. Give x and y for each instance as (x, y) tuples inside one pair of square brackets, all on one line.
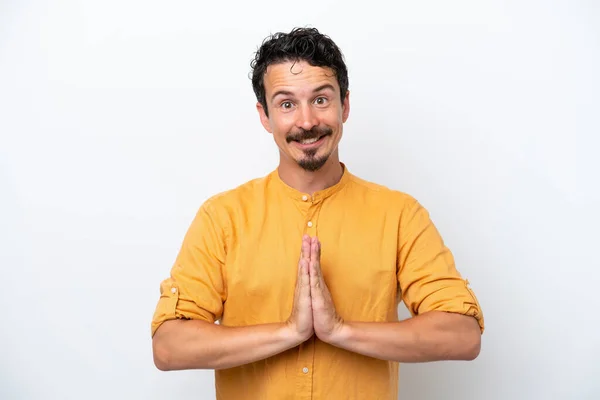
[(301, 44)]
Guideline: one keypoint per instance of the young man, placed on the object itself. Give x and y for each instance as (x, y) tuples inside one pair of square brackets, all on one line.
[(304, 268)]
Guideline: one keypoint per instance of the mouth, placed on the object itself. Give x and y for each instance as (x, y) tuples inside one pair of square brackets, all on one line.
[(310, 143)]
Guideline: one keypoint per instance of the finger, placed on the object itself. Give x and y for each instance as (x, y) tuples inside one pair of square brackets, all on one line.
[(306, 241), (304, 279), (299, 281), (315, 284), (315, 256), (299, 271), (316, 252), (319, 249), (314, 267)]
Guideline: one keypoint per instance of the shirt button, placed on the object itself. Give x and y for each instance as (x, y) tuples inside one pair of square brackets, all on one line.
[(173, 290), (309, 224), (305, 370), (304, 198)]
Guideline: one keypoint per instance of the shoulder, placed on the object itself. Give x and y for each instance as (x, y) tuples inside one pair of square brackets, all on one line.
[(381, 195), (224, 203), (394, 204)]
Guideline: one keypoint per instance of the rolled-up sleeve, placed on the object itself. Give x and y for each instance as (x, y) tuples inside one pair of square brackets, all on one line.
[(195, 288), (427, 275)]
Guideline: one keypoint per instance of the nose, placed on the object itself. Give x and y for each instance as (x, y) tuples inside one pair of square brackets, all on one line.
[(306, 118)]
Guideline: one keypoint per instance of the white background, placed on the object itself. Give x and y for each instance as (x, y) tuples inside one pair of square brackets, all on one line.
[(118, 118)]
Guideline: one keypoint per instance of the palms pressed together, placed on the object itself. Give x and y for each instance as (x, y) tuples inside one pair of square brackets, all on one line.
[(313, 310)]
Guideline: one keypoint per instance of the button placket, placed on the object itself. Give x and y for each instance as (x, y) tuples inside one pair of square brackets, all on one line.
[(312, 205), (304, 383), (312, 218), (311, 225)]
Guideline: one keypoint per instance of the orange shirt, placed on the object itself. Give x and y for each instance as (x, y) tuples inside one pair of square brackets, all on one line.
[(238, 264)]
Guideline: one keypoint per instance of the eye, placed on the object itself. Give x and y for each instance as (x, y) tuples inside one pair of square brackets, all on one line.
[(286, 105), (321, 101)]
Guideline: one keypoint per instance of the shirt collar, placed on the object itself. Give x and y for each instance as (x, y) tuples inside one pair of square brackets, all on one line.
[(317, 196)]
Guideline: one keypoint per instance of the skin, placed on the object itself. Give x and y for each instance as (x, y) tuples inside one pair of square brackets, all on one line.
[(301, 98), (304, 101), (432, 336)]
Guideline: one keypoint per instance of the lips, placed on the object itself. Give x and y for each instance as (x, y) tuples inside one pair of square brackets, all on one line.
[(303, 135), (310, 140), (309, 143)]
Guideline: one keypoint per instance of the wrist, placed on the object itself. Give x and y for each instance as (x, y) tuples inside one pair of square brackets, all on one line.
[(339, 335), (290, 335)]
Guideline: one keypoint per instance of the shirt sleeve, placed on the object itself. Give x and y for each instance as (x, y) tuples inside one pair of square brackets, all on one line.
[(427, 275), (195, 288)]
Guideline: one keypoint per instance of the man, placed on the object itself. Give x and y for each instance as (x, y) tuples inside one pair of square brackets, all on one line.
[(303, 269)]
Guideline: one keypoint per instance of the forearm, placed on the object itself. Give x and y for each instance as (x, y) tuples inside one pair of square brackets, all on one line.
[(193, 344), (432, 336)]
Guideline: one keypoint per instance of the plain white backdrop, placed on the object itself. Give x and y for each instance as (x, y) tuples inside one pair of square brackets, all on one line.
[(119, 118)]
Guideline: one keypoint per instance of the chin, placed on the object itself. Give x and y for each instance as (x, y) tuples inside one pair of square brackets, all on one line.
[(314, 163)]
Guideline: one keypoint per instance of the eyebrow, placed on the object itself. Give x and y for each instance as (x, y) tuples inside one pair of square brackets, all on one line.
[(281, 93), (323, 87), (288, 93)]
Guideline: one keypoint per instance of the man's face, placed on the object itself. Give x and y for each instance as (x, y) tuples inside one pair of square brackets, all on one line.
[(306, 114)]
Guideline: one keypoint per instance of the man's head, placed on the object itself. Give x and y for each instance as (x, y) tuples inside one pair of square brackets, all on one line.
[(301, 84)]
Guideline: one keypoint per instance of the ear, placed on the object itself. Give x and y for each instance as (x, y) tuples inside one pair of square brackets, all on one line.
[(346, 107), (264, 120)]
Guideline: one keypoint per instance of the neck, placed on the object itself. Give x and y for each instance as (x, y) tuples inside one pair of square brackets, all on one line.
[(311, 181)]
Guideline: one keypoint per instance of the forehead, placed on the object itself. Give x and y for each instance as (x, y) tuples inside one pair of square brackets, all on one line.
[(296, 76)]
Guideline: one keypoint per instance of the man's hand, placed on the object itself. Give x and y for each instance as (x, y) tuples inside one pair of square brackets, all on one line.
[(300, 321), (327, 322)]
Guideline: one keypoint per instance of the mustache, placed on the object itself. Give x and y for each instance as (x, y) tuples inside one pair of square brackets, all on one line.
[(313, 133)]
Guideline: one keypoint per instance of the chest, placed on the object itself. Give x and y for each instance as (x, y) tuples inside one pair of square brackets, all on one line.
[(358, 261)]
